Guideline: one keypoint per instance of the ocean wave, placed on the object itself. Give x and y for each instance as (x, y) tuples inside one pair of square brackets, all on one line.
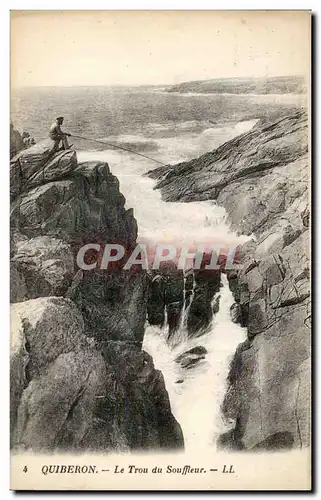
[(134, 142), (188, 145), (160, 222)]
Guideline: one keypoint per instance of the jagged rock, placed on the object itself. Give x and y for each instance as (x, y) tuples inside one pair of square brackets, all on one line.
[(35, 156), (174, 298), (74, 210), (275, 283), (58, 408), (41, 330), (62, 164), (216, 303), (237, 164), (52, 209), (65, 394), (173, 290), (198, 350), (166, 291), (269, 388), (113, 305), (28, 163), (191, 357), (145, 417), (236, 314), (156, 301), (262, 179), (200, 314), (41, 267), (62, 322)]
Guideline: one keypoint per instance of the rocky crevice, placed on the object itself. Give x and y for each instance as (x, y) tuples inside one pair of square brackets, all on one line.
[(262, 179)]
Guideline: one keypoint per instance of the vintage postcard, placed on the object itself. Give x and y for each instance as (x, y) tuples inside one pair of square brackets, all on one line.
[(160, 250)]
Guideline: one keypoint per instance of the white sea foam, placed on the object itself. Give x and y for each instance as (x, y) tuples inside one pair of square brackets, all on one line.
[(158, 221), (196, 402)]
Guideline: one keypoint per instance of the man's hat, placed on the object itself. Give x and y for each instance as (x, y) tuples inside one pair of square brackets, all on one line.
[(60, 118)]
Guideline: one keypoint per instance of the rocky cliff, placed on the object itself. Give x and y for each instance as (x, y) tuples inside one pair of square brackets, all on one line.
[(79, 378), (262, 179)]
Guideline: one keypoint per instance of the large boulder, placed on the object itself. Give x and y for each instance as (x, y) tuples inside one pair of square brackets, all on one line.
[(191, 357), (68, 395), (41, 266), (269, 388), (269, 392), (29, 169), (83, 204), (44, 333), (156, 300), (60, 165), (145, 417), (113, 305), (200, 313), (27, 163)]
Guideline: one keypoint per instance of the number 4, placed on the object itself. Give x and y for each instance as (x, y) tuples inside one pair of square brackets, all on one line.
[(25, 469)]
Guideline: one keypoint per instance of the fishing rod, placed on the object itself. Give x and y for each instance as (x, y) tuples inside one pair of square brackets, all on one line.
[(117, 147)]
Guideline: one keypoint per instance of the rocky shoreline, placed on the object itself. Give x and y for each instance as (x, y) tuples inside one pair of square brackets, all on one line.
[(79, 378), (262, 179)]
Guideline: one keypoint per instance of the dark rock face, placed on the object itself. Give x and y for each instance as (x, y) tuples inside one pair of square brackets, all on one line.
[(174, 299), (156, 301), (40, 267), (174, 314), (79, 379), (207, 284), (113, 305), (142, 386), (166, 297), (261, 178), (191, 357), (171, 291), (56, 374)]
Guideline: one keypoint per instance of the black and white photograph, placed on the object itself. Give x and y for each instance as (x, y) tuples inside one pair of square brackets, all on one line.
[(160, 295)]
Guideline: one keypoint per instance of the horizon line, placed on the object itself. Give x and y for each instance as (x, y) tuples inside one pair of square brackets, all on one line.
[(119, 85)]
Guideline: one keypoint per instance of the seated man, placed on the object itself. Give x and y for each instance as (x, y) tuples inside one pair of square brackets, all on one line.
[(57, 135)]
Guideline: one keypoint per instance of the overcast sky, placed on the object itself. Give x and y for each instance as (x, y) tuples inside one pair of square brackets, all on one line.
[(161, 47)]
